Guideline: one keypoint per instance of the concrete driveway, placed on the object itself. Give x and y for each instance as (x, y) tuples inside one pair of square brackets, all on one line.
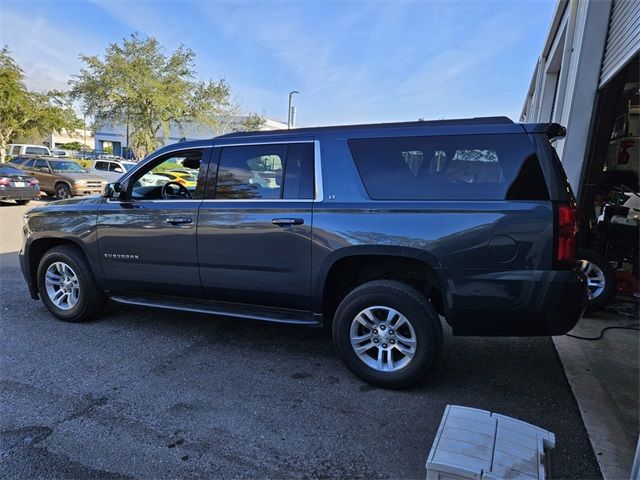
[(152, 394)]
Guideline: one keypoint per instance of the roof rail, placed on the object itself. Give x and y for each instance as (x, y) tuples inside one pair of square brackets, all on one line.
[(419, 123)]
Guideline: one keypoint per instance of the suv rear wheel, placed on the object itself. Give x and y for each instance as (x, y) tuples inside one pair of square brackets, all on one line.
[(67, 286), (388, 334), (601, 279)]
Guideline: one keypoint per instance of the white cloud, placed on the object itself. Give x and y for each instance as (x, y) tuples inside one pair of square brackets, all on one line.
[(48, 53)]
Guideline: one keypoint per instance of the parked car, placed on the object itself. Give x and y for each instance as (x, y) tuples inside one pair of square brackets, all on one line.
[(62, 178), (183, 178), (374, 230), (110, 170), (17, 185), (16, 149)]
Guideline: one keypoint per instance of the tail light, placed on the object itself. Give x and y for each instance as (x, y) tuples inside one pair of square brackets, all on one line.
[(33, 182), (566, 237), (181, 182), (623, 155), (5, 182)]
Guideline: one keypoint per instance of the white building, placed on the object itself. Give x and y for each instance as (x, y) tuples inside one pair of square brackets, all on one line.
[(116, 135), (586, 78)]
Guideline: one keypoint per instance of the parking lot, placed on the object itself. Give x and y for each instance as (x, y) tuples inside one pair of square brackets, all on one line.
[(150, 394)]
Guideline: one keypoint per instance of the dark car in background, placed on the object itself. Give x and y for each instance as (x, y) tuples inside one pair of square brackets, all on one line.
[(373, 230), (59, 177), (17, 185)]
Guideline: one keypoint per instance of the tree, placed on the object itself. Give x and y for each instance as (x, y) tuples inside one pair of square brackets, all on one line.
[(137, 84), (252, 123), (74, 146), (25, 113)]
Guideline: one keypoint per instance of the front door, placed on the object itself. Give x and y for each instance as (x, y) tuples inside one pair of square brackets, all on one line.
[(254, 227), (147, 236)]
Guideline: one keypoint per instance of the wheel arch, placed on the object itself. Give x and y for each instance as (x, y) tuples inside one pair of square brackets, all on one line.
[(37, 248), (63, 182), (349, 267)]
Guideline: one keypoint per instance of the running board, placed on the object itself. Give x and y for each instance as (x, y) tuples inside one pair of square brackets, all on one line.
[(250, 312)]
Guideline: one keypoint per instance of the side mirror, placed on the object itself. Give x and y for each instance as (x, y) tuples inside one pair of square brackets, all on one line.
[(118, 170), (112, 190)]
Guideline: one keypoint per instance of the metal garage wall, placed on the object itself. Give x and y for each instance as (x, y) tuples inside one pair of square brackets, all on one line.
[(623, 38)]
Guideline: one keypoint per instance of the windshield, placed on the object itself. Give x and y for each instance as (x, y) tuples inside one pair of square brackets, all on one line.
[(66, 167)]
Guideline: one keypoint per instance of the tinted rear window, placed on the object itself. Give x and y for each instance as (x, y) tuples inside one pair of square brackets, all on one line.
[(459, 167)]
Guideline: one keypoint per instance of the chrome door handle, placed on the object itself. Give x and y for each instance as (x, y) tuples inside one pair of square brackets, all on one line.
[(178, 220), (287, 221)]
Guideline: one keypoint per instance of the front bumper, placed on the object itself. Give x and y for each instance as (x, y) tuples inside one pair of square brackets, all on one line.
[(26, 273), (77, 190), (514, 303)]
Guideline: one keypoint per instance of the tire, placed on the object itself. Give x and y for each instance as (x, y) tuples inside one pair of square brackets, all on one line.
[(89, 298), (22, 202), (63, 191), (376, 300), (601, 279)]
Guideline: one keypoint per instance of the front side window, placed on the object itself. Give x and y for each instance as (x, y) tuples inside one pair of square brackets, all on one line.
[(40, 165), (171, 177), (457, 167), (269, 172), (66, 166)]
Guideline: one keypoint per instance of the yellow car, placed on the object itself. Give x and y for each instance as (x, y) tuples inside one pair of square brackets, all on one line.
[(182, 178)]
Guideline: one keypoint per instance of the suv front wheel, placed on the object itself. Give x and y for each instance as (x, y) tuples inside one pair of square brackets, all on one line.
[(67, 286), (63, 191), (388, 334)]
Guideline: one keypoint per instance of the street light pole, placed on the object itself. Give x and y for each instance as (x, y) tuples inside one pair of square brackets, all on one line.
[(289, 115)]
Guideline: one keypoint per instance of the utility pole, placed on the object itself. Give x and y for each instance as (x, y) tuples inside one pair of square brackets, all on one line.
[(290, 116)]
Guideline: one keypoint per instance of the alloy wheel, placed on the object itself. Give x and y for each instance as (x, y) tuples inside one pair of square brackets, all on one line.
[(595, 278), (383, 338), (63, 286)]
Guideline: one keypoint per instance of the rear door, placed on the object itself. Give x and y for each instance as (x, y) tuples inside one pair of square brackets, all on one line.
[(254, 227), (44, 174)]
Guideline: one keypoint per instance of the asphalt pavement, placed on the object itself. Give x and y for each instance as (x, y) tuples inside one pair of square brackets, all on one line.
[(155, 394)]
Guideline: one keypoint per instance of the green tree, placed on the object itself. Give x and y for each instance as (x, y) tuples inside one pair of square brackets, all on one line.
[(252, 123), (75, 146), (137, 84), (24, 113)]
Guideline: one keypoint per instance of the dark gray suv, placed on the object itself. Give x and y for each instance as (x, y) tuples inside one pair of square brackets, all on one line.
[(375, 230)]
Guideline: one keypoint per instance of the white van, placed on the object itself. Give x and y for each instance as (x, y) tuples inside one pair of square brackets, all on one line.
[(16, 149)]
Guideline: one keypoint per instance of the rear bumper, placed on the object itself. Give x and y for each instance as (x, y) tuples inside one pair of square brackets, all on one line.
[(514, 303), (18, 193)]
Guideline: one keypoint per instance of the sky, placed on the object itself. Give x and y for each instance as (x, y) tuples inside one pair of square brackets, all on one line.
[(353, 61)]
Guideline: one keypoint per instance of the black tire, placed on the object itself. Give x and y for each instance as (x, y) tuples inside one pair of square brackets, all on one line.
[(416, 309), (603, 298), (62, 191), (23, 202), (91, 298)]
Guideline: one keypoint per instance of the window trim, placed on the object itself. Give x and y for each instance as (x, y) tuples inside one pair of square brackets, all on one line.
[(317, 174), (317, 166), (151, 158)]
